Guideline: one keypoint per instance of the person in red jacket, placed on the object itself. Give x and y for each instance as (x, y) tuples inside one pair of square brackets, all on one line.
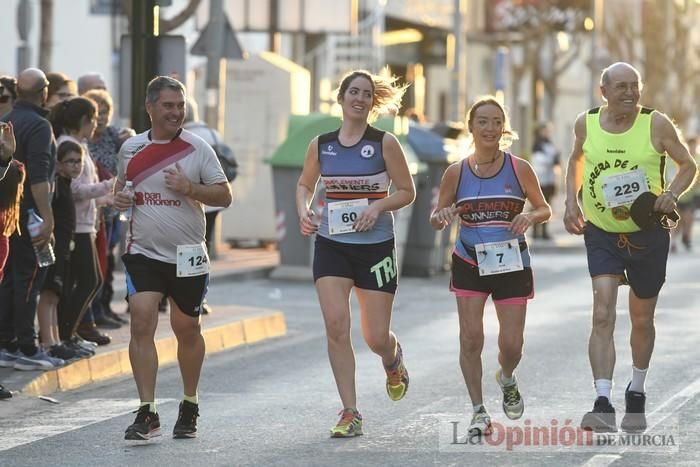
[(11, 186)]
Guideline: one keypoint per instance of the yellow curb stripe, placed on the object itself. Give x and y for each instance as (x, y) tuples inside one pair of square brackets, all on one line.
[(116, 363)]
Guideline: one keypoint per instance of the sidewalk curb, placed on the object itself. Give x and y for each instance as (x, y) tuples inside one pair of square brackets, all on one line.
[(115, 363)]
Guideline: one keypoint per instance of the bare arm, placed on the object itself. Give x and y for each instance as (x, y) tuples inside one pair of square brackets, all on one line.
[(306, 186), (573, 217), (665, 138), (216, 195), (541, 211), (445, 211), (404, 191)]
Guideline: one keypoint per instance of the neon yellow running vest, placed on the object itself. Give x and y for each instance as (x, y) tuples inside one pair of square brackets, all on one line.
[(608, 154)]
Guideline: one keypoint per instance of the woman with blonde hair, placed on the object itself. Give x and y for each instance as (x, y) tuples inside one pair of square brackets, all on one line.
[(354, 247)]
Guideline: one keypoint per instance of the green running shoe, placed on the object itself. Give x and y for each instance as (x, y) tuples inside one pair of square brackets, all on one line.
[(349, 425), (397, 377)]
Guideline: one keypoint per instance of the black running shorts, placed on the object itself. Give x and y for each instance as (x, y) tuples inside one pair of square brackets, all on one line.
[(371, 266), (508, 288), (144, 274)]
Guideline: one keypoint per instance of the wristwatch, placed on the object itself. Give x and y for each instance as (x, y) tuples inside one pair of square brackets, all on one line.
[(675, 196)]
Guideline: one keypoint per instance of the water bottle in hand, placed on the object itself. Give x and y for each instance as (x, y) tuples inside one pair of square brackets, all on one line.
[(125, 215), (46, 256)]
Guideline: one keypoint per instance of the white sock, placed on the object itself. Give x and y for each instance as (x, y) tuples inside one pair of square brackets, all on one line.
[(477, 407), (603, 387), (638, 379), (507, 381)]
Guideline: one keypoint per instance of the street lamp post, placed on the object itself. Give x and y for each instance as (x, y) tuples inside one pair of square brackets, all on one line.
[(143, 59)]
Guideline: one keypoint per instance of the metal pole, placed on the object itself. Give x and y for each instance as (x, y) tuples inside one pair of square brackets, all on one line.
[(215, 44), (457, 106), (596, 36), (273, 33), (144, 56)]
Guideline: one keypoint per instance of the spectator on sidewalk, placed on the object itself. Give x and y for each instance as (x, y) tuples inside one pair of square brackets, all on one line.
[(545, 161), (19, 289), (69, 165), (165, 253), (11, 185), (90, 81), (75, 120), (61, 87), (8, 94), (104, 147)]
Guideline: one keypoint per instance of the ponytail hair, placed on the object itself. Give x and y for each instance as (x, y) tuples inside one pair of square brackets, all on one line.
[(67, 115)]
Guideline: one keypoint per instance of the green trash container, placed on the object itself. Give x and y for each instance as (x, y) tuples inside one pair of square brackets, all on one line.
[(287, 162)]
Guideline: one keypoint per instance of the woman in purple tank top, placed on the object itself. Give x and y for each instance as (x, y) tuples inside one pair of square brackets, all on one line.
[(487, 192)]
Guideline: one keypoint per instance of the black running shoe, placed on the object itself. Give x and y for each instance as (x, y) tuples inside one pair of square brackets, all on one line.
[(63, 352), (602, 418), (4, 393), (186, 425), (145, 427), (634, 420)]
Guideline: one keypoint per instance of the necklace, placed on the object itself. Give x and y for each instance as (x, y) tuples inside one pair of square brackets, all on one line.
[(493, 159)]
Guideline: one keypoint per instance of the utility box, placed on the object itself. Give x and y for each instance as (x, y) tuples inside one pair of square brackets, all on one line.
[(261, 94)]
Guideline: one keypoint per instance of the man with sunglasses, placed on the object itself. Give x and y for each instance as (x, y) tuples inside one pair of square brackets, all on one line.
[(618, 157), (36, 149)]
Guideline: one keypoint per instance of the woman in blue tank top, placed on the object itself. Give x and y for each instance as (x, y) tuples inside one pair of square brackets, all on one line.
[(354, 245), (487, 193)]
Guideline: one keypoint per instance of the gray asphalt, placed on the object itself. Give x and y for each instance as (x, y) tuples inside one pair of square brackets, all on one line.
[(273, 403)]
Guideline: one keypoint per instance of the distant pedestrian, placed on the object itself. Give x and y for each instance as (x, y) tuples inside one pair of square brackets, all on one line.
[(487, 192), (687, 204), (354, 246), (545, 161)]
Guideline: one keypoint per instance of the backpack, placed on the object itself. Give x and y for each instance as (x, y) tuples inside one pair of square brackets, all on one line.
[(226, 158)]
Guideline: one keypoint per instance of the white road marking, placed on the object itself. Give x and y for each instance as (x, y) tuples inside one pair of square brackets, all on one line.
[(59, 419)]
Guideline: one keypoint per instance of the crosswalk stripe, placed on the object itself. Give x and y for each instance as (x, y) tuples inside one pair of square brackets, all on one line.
[(59, 419)]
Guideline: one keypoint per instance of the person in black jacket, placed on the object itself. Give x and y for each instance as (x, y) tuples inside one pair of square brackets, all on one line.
[(19, 290)]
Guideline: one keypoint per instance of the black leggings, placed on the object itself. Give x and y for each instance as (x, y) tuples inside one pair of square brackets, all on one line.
[(85, 278)]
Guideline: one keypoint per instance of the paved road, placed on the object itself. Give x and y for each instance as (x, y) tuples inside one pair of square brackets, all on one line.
[(273, 404)]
